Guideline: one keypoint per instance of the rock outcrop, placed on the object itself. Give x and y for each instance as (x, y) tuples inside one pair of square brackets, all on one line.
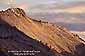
[(19, 32)]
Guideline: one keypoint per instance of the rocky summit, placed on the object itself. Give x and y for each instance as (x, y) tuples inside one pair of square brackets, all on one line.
[(22, 35)]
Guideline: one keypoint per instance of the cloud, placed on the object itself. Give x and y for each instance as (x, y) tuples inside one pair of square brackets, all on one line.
[(49, 2), (7, 1), (77, 9), (74, 7)]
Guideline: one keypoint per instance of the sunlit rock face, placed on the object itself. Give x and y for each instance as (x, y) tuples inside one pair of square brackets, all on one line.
[(20, 32)]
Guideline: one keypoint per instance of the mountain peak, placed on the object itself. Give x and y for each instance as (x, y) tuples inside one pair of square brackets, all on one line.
[(12, 15), (14, 10)]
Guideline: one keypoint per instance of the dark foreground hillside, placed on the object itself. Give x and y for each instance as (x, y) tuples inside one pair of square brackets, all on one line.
[(20, 33)]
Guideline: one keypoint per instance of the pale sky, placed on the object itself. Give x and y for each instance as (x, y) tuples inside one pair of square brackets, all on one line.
[(4, 3), (33, 2)]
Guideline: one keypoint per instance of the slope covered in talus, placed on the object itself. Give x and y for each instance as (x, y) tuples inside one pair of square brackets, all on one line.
[(15, 43), (56, 38)]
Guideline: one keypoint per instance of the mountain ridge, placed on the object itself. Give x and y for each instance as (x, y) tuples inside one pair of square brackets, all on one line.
[(55, 37)]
